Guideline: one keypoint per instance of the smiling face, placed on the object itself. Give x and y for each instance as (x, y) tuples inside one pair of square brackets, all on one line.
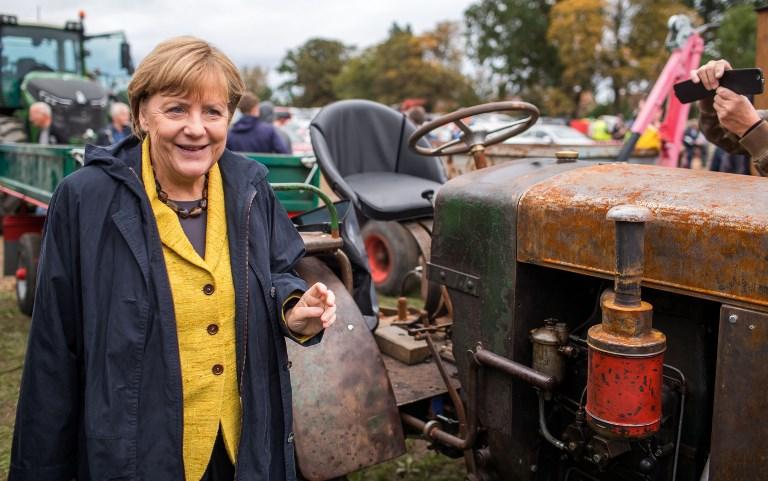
[(187, 135)]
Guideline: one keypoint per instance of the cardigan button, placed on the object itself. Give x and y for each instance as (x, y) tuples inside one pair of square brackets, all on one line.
[(208, 289), (212, 329), (288, 365), (217, 369), (272, 292), (290, 437)]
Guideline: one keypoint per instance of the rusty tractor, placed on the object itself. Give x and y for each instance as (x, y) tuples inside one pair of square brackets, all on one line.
[(597, 321)]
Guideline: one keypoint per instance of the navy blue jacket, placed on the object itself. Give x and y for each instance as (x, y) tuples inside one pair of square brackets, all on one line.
[(251, 134), (101, 394)]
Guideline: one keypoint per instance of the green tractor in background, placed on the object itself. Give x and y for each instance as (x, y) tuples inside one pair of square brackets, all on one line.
[(75, 74)]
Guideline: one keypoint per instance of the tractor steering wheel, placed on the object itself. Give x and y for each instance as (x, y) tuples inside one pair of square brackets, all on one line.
[(470, 138)]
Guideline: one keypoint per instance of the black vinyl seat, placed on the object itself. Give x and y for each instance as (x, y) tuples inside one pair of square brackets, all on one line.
[(362, 149)]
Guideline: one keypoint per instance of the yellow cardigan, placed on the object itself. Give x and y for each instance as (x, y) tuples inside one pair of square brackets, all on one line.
[(204, 304)]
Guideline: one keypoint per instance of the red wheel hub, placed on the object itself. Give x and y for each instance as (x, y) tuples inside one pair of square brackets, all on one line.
[(378, 258)]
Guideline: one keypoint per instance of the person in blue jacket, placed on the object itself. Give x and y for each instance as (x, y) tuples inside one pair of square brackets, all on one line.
[(166, 269), (252, 134)]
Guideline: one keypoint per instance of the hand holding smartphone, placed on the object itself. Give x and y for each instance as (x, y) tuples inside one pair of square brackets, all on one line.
[(745, 81)]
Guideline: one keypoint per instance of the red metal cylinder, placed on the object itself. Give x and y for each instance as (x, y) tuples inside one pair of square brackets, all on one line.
[(624, 394), (626, 367)]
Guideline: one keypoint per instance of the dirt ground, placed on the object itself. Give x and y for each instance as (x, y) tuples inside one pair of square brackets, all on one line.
[(419, 464)]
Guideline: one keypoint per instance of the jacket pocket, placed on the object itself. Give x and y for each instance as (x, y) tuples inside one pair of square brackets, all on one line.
[(113, 367)]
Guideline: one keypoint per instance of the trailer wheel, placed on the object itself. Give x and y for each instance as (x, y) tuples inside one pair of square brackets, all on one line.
[(392, 253), (26, 271), (11, 129)]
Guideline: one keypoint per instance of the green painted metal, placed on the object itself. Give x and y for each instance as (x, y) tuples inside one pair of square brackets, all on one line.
[(291, 169), (35, 170), (300, 188)]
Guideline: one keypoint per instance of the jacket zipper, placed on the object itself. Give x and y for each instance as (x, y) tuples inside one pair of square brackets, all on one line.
[(245, 323), (181, 396)]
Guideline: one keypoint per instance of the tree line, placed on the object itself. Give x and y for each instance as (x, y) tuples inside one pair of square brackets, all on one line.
[(555, 54)]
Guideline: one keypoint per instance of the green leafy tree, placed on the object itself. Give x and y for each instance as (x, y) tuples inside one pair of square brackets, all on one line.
[(312, 68), (737, 35), (713, 10), (510, 37), (255, 79), (575, 30), (633, 50), (405, 66)]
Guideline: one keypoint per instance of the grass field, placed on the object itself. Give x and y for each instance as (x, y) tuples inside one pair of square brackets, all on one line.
[(13, 341), (419, 464)]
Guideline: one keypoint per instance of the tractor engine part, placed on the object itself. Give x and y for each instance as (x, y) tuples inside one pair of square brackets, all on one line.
[(626, 355), (548, 342)]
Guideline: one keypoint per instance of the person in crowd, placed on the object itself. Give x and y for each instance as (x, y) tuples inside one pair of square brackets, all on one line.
[(729, 120), (692, 143), (267, 114), (165, 288), (417, 115), (253, 134), (119, 127), (41, 116)]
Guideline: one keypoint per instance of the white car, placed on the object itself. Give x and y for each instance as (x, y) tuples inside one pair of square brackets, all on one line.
[(551, 135)]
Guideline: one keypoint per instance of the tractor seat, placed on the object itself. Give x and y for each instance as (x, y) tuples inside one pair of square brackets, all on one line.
[(362, 149), (393, 196)]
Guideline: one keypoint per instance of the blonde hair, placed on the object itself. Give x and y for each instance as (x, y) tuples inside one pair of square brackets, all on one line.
[(182, 66)]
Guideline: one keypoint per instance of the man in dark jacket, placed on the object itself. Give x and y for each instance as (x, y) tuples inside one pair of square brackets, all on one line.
[(252, 134), (119, 126), (101, 396), (267, 114)]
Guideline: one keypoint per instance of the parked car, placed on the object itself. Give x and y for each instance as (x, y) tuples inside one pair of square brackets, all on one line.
[(551, 135)]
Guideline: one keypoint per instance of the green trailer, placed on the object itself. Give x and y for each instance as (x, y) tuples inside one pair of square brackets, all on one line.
[(29, 174)]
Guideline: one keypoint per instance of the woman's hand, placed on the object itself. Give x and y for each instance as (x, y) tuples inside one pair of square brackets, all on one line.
[(315, 311)]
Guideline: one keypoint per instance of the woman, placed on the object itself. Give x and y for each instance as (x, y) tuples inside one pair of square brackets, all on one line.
[(156, 350)]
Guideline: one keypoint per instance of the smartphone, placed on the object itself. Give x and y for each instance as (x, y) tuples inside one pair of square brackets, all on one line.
[(744, 81)]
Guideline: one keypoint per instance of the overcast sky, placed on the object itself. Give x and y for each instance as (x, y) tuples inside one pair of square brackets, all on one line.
[(256, 32)]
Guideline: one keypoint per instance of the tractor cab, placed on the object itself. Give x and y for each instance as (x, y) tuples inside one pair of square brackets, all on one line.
[(58, 66)]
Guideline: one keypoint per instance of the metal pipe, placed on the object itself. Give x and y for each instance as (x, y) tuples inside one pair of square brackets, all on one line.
[(514, 369), (291, 186), (431, 429), (684, 388), (630, 241), (543, 425), (452, 393), (346, 269), (705, 473)]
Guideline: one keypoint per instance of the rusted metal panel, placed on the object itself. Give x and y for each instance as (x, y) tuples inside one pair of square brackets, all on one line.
[(345, 415), (708, 236), (475, 234), (316, 242), (459, 164), (739, 432)]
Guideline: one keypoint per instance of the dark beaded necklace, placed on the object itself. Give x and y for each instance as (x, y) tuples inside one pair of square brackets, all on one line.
[(182, 212)]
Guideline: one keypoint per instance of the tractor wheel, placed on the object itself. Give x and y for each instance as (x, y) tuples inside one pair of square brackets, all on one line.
[(26, 271), (392, 254), (11, 130)]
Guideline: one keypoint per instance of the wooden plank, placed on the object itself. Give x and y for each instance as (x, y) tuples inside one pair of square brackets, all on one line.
[(397, 343)]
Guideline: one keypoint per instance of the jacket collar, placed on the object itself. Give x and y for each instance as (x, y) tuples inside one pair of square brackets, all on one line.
[(122, 161)]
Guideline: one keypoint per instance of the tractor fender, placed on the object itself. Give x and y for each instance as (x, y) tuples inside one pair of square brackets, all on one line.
[(344, 410)]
